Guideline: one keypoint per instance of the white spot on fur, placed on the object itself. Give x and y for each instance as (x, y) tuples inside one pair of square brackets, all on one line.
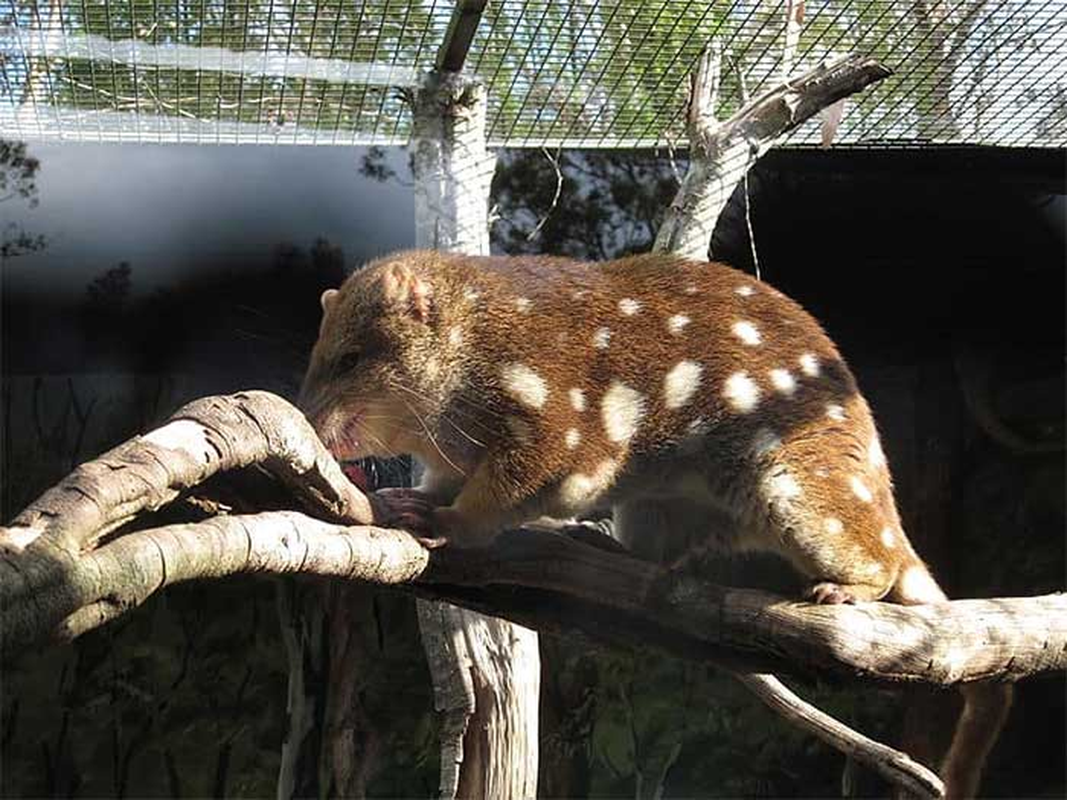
[(580, 294), (455, 336), (822, 472), (875, 454), (833, 525), (622, 409), (745, 291), (859, 488), (577, 397), (579, 489), (522, 304), (780, 488), (525, 385), (520, 429), (765, 442), (809, 365), (601, 338), (916, 586), (889, 539), (783, 381), (741, 392), (470, 295), (572, 438), (835, 412), (681, 383), (677, 323), (747, 333), (690, 289), (628, 306)]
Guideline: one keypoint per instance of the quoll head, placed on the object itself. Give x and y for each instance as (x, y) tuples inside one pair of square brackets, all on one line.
[(380, 369)]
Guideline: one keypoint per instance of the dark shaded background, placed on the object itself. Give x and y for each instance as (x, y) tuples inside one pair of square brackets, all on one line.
[(173, 272)]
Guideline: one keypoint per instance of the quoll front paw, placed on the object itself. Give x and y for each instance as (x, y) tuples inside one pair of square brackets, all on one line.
[(402, 508), (830, 594)]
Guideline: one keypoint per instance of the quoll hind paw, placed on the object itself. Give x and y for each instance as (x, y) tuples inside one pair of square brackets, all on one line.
[(830, 594)]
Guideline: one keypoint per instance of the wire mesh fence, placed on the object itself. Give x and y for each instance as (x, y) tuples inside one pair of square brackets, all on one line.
[(584, 73)]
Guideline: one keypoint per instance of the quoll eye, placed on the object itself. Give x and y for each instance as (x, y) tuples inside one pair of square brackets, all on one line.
[(349, 361)]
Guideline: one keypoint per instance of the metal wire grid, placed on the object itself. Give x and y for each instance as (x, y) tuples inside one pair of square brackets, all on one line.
[(584, 73)]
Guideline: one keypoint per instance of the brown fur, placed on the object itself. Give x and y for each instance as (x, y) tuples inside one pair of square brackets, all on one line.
[(470, 364)]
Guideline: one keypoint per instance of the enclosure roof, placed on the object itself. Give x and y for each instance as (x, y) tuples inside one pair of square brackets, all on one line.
[(584, 73)]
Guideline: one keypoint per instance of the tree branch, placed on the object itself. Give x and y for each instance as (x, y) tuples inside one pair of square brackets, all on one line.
[(722, 152), (534, 577)]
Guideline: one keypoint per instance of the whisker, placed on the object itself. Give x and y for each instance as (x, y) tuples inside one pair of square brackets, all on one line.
[(433, 440), (469, 417), (462, 432)]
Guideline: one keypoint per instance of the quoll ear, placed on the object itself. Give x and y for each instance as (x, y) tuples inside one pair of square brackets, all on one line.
[(329, 297), (408, 293)]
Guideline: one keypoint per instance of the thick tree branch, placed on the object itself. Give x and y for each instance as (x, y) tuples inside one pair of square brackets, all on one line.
[(537, 578), (554, 582)]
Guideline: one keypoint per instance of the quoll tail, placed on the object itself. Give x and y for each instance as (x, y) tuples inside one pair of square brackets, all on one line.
[(985, 704)]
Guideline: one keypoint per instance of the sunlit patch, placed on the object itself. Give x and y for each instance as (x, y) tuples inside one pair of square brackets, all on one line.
[(741, 392), (747, 332), (183, 435), (681, 383), (524, 385), (622, 410), (690, 289), (875, 454), (916, 586)]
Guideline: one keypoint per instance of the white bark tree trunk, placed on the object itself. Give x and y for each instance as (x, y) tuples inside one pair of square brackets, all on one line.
[(486, 672)]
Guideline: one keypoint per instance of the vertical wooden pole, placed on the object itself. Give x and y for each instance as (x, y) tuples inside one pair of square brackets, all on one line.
[(486, 672)]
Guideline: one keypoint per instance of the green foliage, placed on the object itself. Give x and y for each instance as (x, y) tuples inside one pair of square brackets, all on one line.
[(18, 181)]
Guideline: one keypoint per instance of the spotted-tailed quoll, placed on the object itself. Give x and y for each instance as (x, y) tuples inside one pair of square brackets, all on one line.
[(530, 386)]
